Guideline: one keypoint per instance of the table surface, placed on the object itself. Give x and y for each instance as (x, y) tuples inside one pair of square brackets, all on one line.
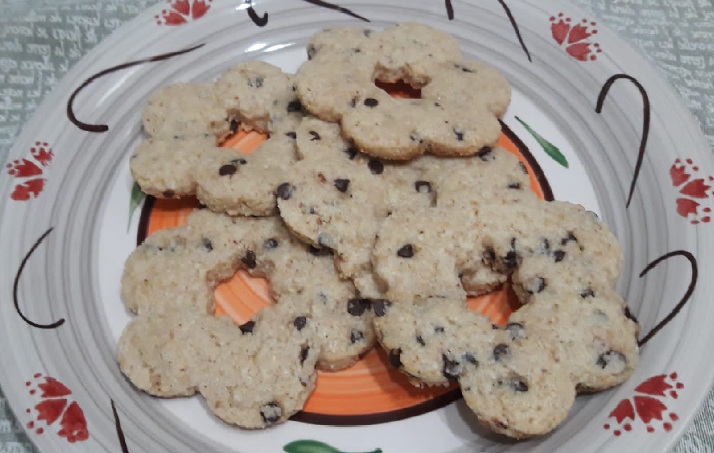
[(676, 35)]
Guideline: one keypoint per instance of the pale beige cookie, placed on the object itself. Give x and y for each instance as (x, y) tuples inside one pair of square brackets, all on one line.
[(460, 100), (253, 96), (178, 269), (259, 96), (261, 377), (337, 197), (572, 334), (256, 374), (514, 387), (185, 110), (164, 168), (252, 377), (228, 181), (518, 390)]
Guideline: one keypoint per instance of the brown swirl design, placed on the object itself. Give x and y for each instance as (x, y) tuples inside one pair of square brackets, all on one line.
[(120, 431), (99, 128), (338, 8), (682, 302), (16, 285), (645, 122)]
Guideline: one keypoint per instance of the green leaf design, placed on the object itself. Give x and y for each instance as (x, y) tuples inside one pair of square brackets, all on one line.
[(313, 446), (137, 196), (549, 148)]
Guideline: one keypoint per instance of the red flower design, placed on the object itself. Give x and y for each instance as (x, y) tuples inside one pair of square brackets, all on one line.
[(183, 11), (691, 187), (649, 405), (29, 171), (53, 405), (574, 37)]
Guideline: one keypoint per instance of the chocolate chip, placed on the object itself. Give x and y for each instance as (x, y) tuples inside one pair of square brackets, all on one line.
[(516, 330), (470, 358), (463, 69), (169, 194), (371, 102), (438, 329), (315, 251), (342, 184), (247, 327), (271, 413), (303, 353), (587, 292), (375, 166), (356, 50), (351, 152), (545, 247), (514, 185), (459, 135), (300, 322), (357, 307), (285, 190), (249, 260), (558, 255), (485, 153), (239, 161), (356, 336), (535, 285), (415, 138), (256, 82), (353, 102), (227, 170), (315, 136), (407, 251), (422, 186), (511, 260), (395, 357), (207, 244), (292, 135), (420, 340), (380, 306), (610, 356), (234, 126), (500, 351), (451, 369), (518, 385), (270, 243), (294, 106), (570, 237), (523, 167)]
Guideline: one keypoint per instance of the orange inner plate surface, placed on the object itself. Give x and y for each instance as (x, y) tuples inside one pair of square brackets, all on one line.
[(371, 386)]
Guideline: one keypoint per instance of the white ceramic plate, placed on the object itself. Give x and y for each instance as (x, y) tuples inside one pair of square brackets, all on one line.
[(65, 200)]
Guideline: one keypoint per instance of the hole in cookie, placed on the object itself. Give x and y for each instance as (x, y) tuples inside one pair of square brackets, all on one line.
[(399, 89), (371, 391)]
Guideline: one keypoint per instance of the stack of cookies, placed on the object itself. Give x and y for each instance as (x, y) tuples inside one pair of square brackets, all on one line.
[(373, 218)]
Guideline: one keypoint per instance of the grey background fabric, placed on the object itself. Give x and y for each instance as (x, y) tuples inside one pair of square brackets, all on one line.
[(41, 39)]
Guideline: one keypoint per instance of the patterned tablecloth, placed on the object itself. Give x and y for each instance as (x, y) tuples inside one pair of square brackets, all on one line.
[(41, 39)]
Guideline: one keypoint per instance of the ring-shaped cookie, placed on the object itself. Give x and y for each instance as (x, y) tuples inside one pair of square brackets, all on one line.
[(181, 158), (461, 100), (257, 374), (572, 334)]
